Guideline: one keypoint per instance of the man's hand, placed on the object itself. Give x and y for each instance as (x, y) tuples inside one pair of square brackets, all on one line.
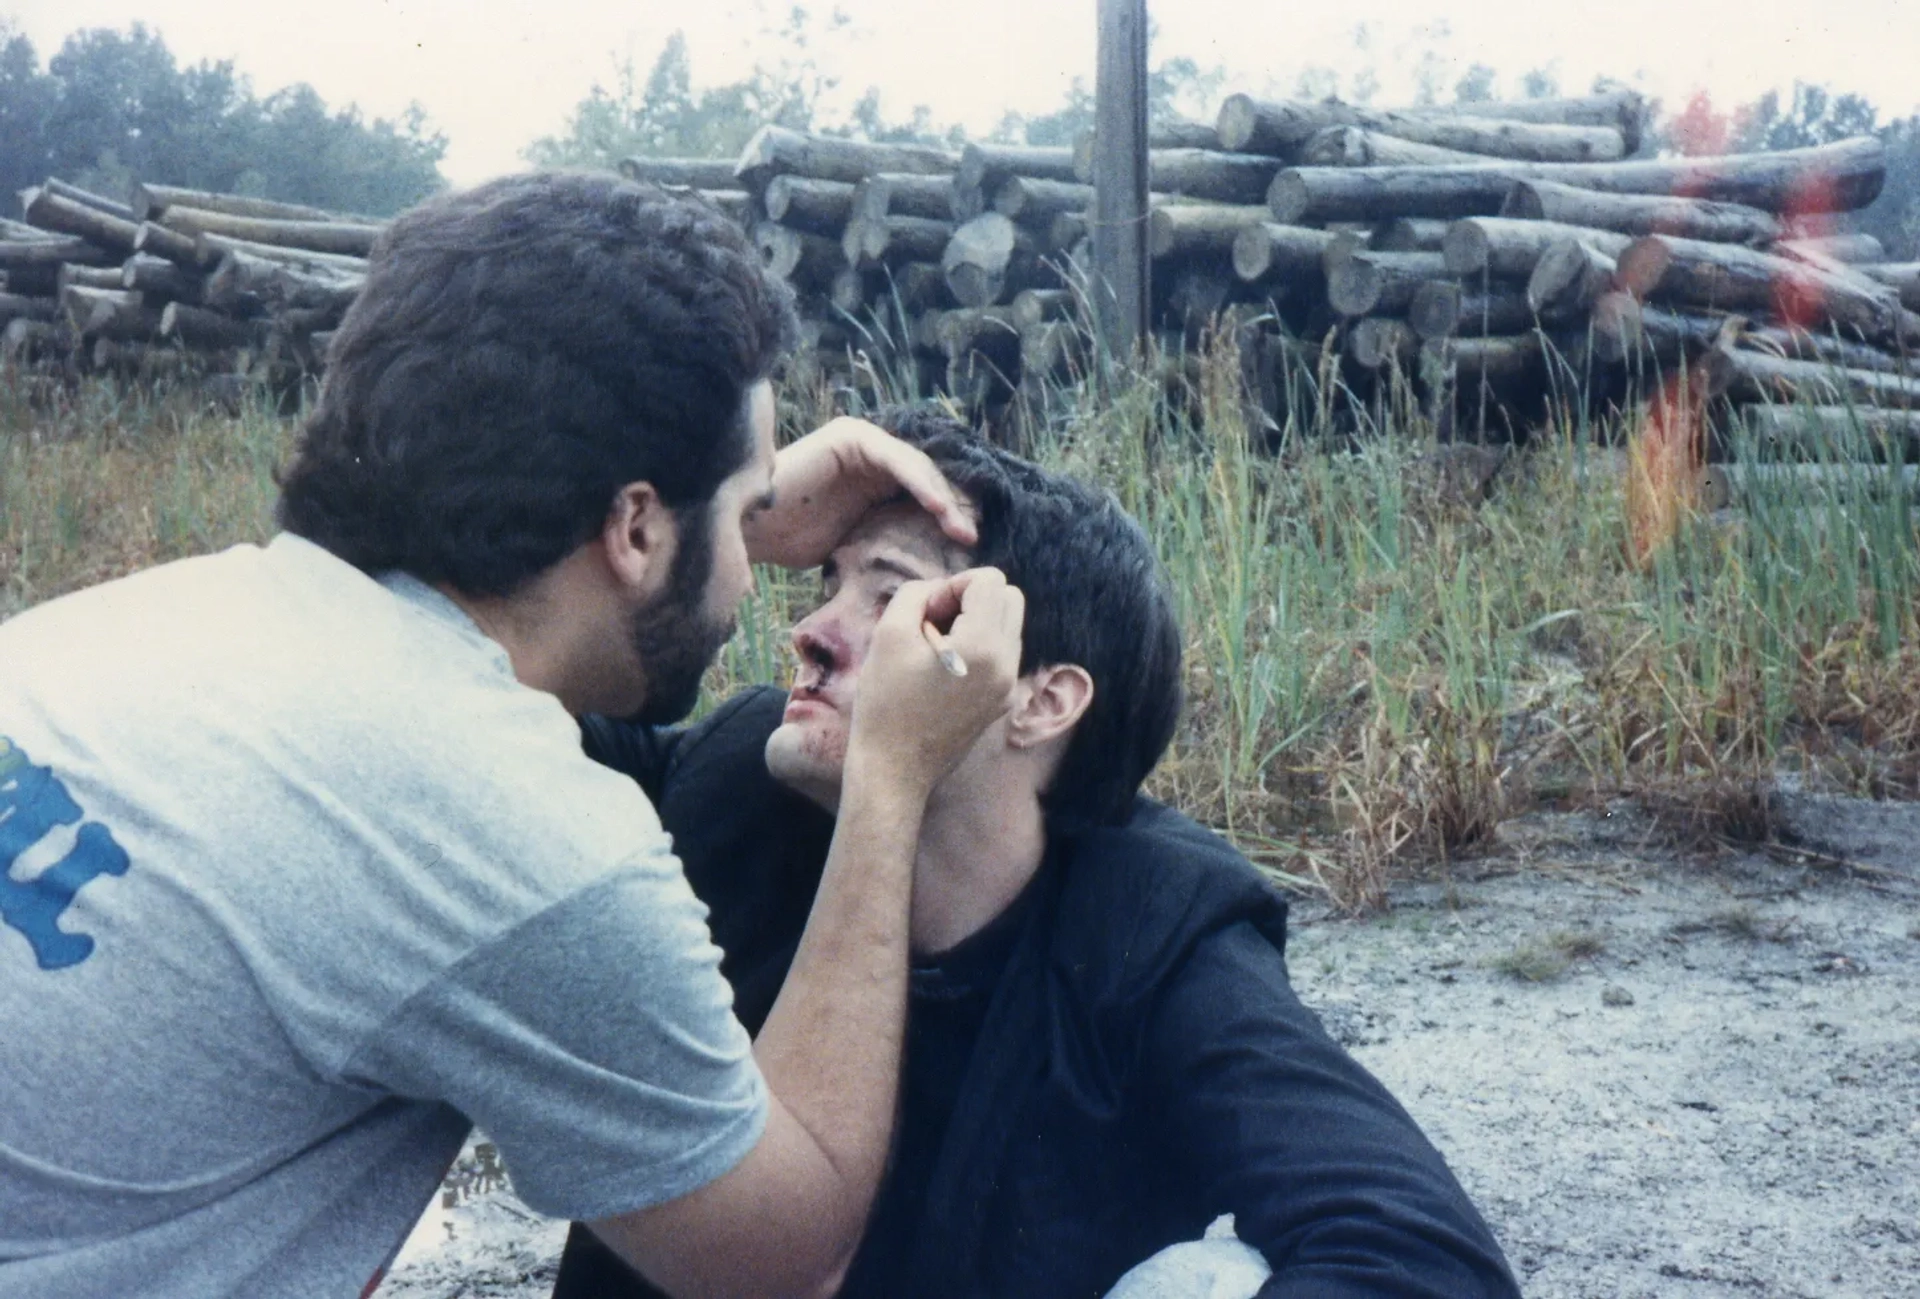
[(826, 482), (788, 1218), (912, 718)]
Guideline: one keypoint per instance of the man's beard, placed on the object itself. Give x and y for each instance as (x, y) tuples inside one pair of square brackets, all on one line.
[(675, 637)]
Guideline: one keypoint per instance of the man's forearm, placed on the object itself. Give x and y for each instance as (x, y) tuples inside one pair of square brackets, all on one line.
[(830, 1048), (788, 1218)]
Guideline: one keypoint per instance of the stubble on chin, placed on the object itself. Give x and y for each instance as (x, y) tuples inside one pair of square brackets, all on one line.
[(809, 762)]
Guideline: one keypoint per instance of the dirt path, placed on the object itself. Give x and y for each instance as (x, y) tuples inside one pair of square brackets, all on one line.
[(1723, 1100), (1709, 1086)]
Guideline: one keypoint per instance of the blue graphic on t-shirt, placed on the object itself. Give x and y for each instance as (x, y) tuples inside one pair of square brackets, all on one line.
[(32, 803)]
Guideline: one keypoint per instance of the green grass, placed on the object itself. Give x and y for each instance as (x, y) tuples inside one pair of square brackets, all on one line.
[(1380, 667), (106, 478), (1549, 957)]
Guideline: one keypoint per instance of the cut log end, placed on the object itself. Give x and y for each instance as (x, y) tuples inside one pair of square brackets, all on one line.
[(1435, 309), (1377, 343), (1642, 266), (1239, 119), (1465, 248), (1288, 197), (1569, 278)]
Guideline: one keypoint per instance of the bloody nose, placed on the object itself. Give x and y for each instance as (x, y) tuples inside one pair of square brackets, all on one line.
[(816, 647)]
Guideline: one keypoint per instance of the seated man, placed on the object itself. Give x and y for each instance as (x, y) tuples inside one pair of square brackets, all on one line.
[(1103, 1051)]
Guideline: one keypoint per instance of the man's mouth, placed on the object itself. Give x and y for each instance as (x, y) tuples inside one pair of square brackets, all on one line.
[(800, 707), (808, 696)]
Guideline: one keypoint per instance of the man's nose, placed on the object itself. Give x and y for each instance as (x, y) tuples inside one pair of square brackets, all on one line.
[(815, 638)]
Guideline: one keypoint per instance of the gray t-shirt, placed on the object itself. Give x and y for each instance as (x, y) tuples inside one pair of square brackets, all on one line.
[(297, 881)]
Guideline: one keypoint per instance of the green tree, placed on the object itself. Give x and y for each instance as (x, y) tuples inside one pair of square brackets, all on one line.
[(1812, 115), (1063, 125), (1540, 83), (1366, 82), (1179, 89), (113, 107), (1476, 86), (1699, 129), (1431, 67), (1316, 81), (662, 115), (26, 102), (120, 108), (305, 152), (868, 122)]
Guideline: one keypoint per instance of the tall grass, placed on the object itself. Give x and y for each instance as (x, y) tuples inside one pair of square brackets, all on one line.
[(1380, 664), (105, 478)]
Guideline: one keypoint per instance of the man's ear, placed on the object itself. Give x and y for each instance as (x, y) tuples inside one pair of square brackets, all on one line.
[(1052, 701), (640, 538)]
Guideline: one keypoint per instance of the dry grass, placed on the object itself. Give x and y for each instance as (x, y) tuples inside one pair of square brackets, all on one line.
[(102, 480), (1381, 665)]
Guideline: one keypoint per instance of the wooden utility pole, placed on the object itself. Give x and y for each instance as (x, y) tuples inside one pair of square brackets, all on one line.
[(1120, 264)]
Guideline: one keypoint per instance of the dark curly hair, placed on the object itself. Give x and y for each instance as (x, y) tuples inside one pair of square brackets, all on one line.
[(1096, 596), (521, 351)]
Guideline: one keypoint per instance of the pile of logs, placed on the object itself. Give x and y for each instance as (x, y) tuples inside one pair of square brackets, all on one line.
[(1501, 252), (1479, 258), (947, 267), (176, 281)]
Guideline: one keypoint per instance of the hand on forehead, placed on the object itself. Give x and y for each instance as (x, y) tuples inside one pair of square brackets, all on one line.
[(904, 527)]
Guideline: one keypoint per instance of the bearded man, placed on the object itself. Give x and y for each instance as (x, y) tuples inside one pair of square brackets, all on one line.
[(303, 872)]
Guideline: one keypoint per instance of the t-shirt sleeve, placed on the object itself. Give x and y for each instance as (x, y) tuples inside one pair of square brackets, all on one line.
[(594, 1043)]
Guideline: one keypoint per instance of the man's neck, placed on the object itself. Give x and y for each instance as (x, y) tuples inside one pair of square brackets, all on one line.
[(553, 645), (978, 849)]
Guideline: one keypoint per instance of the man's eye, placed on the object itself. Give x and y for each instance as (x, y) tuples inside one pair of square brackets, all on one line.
[(884, 596)]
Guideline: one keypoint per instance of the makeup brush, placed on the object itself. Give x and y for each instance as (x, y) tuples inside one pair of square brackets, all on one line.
[(949, 657)]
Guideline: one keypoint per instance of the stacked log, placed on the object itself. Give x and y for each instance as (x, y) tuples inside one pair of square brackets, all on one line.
[(917, 251), (1496, 242), (971, 263), (1465, 250), (177, 282), (1469, 253)]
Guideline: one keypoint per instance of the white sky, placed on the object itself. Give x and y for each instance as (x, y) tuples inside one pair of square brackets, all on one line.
[(495, 74)]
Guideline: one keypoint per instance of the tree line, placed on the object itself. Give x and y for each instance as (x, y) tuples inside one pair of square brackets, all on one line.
[(1812, 115), (112, 107)]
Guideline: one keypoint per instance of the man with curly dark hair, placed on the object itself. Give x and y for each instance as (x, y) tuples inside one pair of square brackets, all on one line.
[(1103, 1050), (303, 872)]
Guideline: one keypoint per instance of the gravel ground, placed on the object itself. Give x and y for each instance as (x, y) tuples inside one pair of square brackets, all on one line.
[(1658, 1075)]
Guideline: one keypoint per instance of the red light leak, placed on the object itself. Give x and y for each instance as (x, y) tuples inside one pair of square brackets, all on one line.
[(1664, 457), (1798, 300)]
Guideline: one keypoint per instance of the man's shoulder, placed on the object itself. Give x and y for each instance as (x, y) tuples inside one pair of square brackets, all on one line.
[(1136, 898), (1164, 855)]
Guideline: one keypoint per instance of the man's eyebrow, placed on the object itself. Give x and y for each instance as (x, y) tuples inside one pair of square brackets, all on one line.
[(896, 567)]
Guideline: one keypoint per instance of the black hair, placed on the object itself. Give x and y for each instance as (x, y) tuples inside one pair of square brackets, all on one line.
[(1096, 597), (521, 351)]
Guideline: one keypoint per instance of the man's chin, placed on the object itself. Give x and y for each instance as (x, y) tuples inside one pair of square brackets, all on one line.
[(797, 757)]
